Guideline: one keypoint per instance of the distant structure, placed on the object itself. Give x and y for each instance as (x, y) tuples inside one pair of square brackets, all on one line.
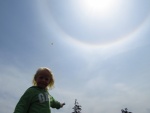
[(125, 111), (77, 107)]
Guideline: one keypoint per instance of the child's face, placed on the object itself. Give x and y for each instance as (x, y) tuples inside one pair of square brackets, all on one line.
[(43, 79)]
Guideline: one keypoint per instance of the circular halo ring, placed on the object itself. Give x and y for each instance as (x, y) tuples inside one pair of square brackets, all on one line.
[(42, 7)]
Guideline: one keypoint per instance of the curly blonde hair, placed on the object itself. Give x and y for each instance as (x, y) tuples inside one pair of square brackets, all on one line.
[(41, 69)]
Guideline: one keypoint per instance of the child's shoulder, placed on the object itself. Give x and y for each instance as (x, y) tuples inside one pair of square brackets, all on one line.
[(35, 89), (32, 89)]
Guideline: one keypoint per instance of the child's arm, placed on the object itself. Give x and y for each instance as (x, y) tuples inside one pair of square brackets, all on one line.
[(55, 104), (24, 103)]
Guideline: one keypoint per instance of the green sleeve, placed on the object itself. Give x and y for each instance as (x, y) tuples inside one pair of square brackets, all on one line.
[(54, 103), (24, 102)]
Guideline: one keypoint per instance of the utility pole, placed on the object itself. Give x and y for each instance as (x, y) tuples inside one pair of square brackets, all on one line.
[(77, 107)]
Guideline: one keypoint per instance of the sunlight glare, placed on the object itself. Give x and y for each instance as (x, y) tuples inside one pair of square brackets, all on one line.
[(100, 7)]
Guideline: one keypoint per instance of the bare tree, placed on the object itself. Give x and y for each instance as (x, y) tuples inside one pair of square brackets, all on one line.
[(77, 107), (125, 110)]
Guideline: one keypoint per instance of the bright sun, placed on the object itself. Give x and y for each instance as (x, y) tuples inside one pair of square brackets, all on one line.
[(99, 7)]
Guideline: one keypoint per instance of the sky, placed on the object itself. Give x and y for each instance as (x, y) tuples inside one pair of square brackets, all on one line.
[(97, 50)]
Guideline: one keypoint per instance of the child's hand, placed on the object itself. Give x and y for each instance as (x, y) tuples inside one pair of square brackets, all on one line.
[(62, 104)]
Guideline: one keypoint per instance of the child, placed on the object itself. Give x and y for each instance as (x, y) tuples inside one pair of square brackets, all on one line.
[(36, 99)]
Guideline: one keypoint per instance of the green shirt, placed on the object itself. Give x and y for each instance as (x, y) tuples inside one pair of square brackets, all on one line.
[(36, 100)]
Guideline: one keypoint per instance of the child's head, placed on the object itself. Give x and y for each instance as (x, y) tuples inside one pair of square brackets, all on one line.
[(43, 78)]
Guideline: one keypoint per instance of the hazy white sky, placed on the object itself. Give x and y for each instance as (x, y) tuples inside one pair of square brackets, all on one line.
[(98, 51)]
